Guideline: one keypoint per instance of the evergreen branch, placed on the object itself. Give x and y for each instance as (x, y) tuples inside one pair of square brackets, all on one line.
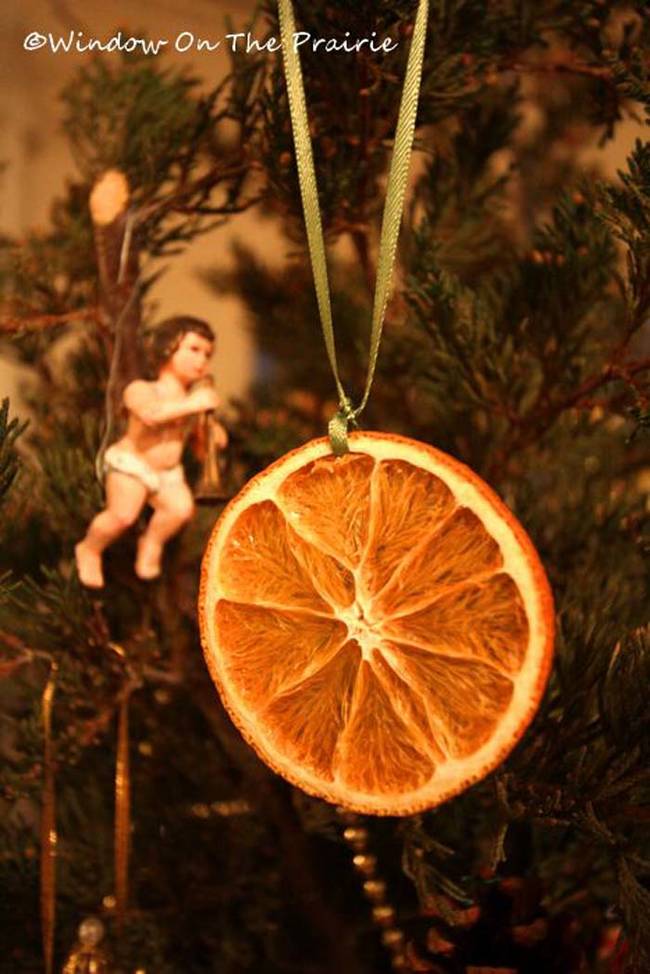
[(501, 351), (635, 904), (10, 430), (273, 796)]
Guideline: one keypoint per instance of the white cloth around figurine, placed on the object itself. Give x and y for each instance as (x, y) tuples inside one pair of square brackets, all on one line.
[(119, 460)]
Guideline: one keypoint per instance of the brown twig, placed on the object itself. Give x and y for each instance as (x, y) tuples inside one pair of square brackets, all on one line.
[(568, 66), (203, 187), (610, 373), (88, 731), (535, 424), (8, 668), (12, 324)]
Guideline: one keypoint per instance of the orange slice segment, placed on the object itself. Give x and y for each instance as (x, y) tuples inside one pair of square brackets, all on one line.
[(255, 642), (390, 760), (379, 625), (485, 620), (408, 505), (446, 684), (328, 502), (409, 706), (307, 720), (457, 551), (260, 565)]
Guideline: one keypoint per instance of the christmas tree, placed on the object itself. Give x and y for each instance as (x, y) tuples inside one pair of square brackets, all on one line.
[(516, 340)]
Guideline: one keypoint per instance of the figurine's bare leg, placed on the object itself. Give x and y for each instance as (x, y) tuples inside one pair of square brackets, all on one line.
[(173, 507), (125, 498)]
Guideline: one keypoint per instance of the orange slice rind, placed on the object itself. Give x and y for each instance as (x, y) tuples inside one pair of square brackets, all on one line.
[(379, 625)]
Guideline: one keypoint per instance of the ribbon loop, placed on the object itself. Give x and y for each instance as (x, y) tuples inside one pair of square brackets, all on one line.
[(392, 218)]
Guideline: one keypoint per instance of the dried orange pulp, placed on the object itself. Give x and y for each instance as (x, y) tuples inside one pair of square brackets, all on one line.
[(379, 625)]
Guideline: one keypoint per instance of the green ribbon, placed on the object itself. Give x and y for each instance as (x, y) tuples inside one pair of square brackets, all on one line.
[(397, 178)]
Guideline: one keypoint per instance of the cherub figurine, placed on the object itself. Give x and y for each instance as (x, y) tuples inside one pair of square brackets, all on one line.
[(144, 466)]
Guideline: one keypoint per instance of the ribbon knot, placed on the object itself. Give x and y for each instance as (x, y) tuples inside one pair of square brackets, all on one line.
[(345, 416)]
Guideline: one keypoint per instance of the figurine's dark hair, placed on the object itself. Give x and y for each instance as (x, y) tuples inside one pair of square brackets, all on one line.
[(163, 340)]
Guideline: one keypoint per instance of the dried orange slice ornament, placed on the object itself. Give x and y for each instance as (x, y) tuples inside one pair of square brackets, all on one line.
[(378, 624)]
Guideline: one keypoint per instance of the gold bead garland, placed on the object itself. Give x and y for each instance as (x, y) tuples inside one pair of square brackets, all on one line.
[(122, 814), (48, 829), (48, 826), (374, 888)]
